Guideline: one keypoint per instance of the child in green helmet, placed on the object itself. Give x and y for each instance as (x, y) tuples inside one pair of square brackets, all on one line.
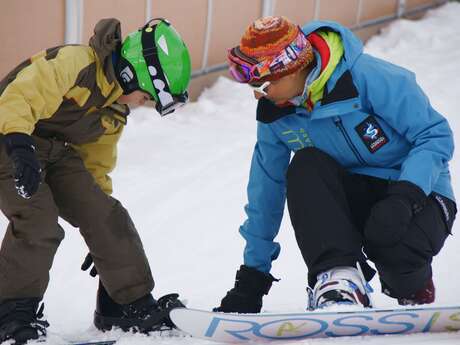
[(62, 114)]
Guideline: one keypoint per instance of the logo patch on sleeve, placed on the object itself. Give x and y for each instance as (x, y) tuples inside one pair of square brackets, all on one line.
[(371, 134)]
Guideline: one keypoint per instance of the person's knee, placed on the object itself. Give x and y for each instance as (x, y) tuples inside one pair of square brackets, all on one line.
[(121, 224), (403, 268), (37, 223), (309, 161), (397, 283), (96, 208)]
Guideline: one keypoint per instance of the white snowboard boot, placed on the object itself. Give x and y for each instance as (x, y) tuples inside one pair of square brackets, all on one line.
[(340, 285)]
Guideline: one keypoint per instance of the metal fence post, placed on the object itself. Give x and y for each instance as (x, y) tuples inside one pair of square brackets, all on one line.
[(73, 21), (148, 10), (401, 8), (268, 8), (207, 37), (359, 12), (317, 9)]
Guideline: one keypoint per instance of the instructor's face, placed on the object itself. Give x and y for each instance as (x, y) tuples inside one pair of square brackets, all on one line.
[(135, 98), (279, 91), (282, 90)]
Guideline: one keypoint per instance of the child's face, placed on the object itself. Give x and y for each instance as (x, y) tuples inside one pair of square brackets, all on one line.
[(135, 98)]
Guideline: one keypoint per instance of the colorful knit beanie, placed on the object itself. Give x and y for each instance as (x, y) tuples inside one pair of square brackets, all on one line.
[(267, 37)]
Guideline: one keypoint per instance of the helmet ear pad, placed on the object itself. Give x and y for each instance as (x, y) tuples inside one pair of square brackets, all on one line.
[(126, 76)]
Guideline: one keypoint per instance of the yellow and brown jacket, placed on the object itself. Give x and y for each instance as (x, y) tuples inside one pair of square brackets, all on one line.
[(68, 93)]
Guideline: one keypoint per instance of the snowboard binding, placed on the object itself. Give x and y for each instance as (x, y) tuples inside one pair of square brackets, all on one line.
[(340, 286)]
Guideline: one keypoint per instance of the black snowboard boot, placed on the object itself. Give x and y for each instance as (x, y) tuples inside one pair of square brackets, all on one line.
[(20, 320), (143, 315)]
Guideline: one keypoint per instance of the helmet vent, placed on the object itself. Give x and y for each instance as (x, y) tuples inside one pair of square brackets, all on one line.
[(163, 45)]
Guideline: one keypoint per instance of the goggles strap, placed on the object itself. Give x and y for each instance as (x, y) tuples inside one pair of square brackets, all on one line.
[(241, 56), (157, 75)]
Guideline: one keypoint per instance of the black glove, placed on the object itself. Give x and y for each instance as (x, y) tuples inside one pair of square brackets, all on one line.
[(87, 264), (391, 217), (246, 296), (21, 150)]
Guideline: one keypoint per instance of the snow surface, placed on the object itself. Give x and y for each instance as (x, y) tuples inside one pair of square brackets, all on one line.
[(183, 178)]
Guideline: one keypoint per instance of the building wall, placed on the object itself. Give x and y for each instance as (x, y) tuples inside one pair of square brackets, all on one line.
[(207, 26), (26, 27)]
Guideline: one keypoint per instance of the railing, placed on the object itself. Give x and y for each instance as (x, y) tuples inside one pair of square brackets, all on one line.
[(268, 9), (208, 26)]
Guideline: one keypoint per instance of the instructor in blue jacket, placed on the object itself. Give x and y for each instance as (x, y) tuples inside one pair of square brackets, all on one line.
[(369, 175)]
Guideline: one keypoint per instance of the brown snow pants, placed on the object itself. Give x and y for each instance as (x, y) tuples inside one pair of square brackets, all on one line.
[(33, 235)]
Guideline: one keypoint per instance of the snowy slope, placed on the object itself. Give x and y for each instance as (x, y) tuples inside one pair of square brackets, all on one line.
[(183, 179)]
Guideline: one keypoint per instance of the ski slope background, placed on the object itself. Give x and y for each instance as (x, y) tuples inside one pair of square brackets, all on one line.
[(183, 179)]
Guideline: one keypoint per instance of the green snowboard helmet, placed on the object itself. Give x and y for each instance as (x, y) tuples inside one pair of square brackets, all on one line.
[(155, 60)]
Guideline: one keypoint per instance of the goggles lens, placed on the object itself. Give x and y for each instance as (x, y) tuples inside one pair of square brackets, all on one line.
[(176, 102), (240, 73)]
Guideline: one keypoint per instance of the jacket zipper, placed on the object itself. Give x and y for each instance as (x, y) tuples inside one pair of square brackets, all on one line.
[(339, 124)]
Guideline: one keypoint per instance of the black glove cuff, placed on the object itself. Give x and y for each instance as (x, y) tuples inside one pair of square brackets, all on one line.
[(253, 281), (411, 192), (18, 140)]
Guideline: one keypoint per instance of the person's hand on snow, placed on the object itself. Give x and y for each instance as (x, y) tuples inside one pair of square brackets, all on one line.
[(246, 296), (20, 148), (391, 217)]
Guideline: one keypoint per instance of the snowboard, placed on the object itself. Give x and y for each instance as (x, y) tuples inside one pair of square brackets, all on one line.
[(235, 328)]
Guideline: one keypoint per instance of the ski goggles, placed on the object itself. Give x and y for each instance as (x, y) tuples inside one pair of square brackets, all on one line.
[(169, 106), (245, 69), (177, 102)]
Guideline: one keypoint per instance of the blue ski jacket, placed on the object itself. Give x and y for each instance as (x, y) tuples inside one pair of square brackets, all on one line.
[(373, 119)]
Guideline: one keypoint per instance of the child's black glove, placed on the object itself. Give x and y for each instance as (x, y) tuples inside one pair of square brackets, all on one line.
[(21, 150)]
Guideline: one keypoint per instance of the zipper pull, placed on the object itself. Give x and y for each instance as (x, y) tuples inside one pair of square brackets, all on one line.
[(337, 121)]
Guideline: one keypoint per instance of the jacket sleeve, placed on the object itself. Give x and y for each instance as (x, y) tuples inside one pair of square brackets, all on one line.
[(266, 198), (38, 89), (100, 157), (394, 95)]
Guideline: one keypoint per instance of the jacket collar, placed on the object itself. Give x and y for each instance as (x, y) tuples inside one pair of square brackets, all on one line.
[(342, 98), (268, 112)]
